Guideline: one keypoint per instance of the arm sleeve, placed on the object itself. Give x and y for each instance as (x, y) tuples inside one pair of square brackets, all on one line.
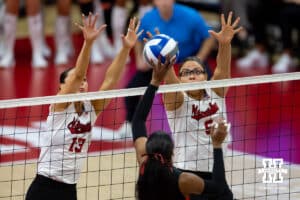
[(218, 182), (141, 113)]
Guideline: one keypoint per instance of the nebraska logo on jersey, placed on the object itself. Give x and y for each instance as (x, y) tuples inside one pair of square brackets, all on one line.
[(197, 114), (76, 127)]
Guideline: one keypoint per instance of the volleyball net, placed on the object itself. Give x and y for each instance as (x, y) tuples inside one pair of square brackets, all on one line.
[(263, 161)]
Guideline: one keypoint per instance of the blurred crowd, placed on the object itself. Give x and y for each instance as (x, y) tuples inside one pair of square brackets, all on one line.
[(270, 37), (102, 48)]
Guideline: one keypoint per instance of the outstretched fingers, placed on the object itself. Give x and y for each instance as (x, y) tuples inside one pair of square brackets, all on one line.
[(78, 25), (131, 25), (102, 27), (137, 25), (238, 30), (213, 33), (83, 19), (169, 62), (229, 20), (223, 23), (94, 19), (90, 19), (172, 61), (157, 32), (149, 34), (236, 22)]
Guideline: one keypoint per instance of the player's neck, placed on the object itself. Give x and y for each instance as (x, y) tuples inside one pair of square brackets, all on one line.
[(79, 107), (198, 94), (166, 15)]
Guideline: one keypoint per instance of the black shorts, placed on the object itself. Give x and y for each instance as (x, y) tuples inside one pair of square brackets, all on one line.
[(44, 188)]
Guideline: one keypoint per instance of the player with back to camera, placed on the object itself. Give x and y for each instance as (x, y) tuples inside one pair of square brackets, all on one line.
[(158, 179), (69, 124), (190, 113)]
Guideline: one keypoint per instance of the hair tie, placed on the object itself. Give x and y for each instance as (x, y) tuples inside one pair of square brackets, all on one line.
[(160, 158), (142, 167)]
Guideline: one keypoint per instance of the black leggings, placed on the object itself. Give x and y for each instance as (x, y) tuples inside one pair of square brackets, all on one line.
[(43, 188), (227, 194)]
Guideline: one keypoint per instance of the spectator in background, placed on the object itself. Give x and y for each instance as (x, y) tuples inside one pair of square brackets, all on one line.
[(35, 24), (2, 12), (63, 38), (260, 14), (191, 34), (102, 47), (240, 8), (120, 15), (289, 19)]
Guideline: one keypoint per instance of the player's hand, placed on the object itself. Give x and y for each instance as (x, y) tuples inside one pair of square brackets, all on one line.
[(150, 36), (89, 29), (219, 131), (160, 70), (228, 29), (132, 35)]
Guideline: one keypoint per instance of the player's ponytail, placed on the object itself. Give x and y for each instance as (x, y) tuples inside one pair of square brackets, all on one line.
[(156, 179)]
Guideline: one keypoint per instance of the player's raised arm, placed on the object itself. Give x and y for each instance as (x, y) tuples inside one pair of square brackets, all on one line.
[(139, 131), (115, 70), (72, 79), (224, 37)]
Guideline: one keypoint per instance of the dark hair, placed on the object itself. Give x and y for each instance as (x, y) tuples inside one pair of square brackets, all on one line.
[(199, 61), (64, 74), (156, 179)]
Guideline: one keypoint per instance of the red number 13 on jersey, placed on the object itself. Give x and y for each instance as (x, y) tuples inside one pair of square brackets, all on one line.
[(77, 145)]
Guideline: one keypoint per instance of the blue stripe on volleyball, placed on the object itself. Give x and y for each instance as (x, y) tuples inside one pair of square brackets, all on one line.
[(156, 44), (156, 49)]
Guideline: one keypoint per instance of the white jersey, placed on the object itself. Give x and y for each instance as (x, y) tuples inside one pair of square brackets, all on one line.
[(190, 128), (66, 143)]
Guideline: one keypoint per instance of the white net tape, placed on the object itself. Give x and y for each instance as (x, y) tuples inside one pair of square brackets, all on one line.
[(139, 91)]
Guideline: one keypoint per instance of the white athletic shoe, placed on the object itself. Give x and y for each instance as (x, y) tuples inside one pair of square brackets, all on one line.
[(283, 64), (61, 57), (63, 54), (46, 51), (2, 52), (7, 60), (38, 61), (253, 59)]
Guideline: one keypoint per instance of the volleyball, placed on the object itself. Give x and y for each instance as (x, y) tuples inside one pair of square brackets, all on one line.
[(160, 45)]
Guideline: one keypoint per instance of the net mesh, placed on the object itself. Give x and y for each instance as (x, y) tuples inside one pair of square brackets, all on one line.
[(265, 126)]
